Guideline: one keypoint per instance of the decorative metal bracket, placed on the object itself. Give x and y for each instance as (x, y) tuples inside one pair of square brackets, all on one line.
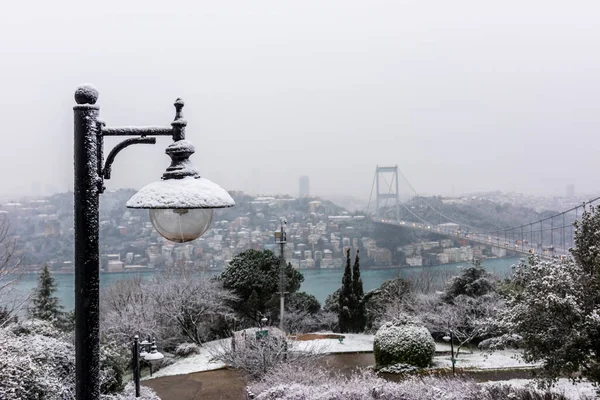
[(125, 143), (179, 151)]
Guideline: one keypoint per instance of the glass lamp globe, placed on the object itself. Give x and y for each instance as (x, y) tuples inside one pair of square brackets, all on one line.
[(181, 225)]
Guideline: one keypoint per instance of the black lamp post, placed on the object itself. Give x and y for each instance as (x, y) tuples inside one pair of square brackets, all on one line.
[(138, 351), (180, 209), (450, 338)]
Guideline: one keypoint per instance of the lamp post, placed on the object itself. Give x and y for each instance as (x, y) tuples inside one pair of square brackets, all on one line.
[(449, 338), (135, 351), (138, 351), (180, 209), (280, 239)]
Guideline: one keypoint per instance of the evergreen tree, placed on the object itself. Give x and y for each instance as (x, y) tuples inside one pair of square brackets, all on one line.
[(253, 276), (46, 306), (359, 318), (346, 299)]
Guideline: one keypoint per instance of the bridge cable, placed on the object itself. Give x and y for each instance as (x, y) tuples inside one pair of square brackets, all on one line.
[(371, 194)]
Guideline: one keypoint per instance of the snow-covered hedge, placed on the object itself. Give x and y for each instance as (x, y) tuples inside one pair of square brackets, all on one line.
[(35, 367), (37, 362), (293, 383), (187, 349), (36, 327), (403, 344), (129, 394)]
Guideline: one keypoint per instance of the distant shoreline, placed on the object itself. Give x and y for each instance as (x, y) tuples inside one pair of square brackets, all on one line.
[(376, 267)]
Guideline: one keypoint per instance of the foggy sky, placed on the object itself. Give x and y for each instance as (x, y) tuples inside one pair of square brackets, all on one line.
[(471, 95)]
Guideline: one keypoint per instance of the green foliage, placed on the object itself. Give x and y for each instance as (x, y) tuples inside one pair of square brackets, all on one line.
[(113, 365), (359, 318), (351, 308), (303, 301), (403, 343), (554, 307), (46, 306), (253, 276), (332, 302), (474, 281), (346, 299), (392, 292)]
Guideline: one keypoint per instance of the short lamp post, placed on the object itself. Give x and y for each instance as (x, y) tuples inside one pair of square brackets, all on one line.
[(449, 338), (138, 351), (181, 207)]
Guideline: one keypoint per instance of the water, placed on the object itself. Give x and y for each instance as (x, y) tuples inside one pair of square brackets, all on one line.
[(318, 282)]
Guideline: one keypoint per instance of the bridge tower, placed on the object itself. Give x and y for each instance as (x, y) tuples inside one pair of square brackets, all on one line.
[(391, 192)]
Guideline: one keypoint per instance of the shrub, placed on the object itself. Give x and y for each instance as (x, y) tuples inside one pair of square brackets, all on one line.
[(37, 366), (36, 327), (292, 383), (129, 394), (399, 369), (113, 365), (187, 349), (404, 344), (256, 354)]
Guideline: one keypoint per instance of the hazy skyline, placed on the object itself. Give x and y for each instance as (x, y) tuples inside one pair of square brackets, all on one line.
[(463, 95)]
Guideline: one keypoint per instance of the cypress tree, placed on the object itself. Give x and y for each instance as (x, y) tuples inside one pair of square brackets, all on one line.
[(346, 299), (359, 318), (46, 306)]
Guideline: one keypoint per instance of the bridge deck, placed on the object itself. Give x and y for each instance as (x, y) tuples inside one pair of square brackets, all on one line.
[(520, 246)]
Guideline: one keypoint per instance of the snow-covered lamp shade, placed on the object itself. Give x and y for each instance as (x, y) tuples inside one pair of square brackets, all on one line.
[(143, 344), (181, 204), (154, 356), (181, 210)]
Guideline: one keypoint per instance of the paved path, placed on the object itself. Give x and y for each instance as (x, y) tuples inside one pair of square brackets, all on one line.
[(222, 384), (225, 384)]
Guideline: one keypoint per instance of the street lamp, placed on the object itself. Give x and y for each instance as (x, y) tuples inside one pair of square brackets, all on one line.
[(281, 239), (180, 206), (449, 338), (153, 357)]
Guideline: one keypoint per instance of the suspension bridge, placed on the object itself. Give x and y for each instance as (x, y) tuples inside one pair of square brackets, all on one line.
[(549, 237)]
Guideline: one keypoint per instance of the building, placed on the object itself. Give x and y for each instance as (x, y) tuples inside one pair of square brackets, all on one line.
[(304, 187), (415, 261)]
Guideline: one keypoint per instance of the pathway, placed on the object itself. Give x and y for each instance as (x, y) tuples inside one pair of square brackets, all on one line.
[(223, 384)]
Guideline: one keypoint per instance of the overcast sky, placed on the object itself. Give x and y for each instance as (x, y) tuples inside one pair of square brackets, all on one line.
[(471, 95)]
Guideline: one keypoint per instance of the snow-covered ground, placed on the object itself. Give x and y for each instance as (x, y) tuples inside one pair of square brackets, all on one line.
[(197, 363), (572, 391), (479, 360), (352, 343)]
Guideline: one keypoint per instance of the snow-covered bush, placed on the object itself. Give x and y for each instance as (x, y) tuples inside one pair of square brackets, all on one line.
[(42, 366), (187, 349), (399, 369), (113, 365), (174, 308), (129, 394), (256, 354), (297, 321), (33, 366), (467, 319), (292, 383), (404, 343), (36, 327)]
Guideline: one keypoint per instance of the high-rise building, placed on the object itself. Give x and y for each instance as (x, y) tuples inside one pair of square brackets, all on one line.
[(570, 192), (304, 186)]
